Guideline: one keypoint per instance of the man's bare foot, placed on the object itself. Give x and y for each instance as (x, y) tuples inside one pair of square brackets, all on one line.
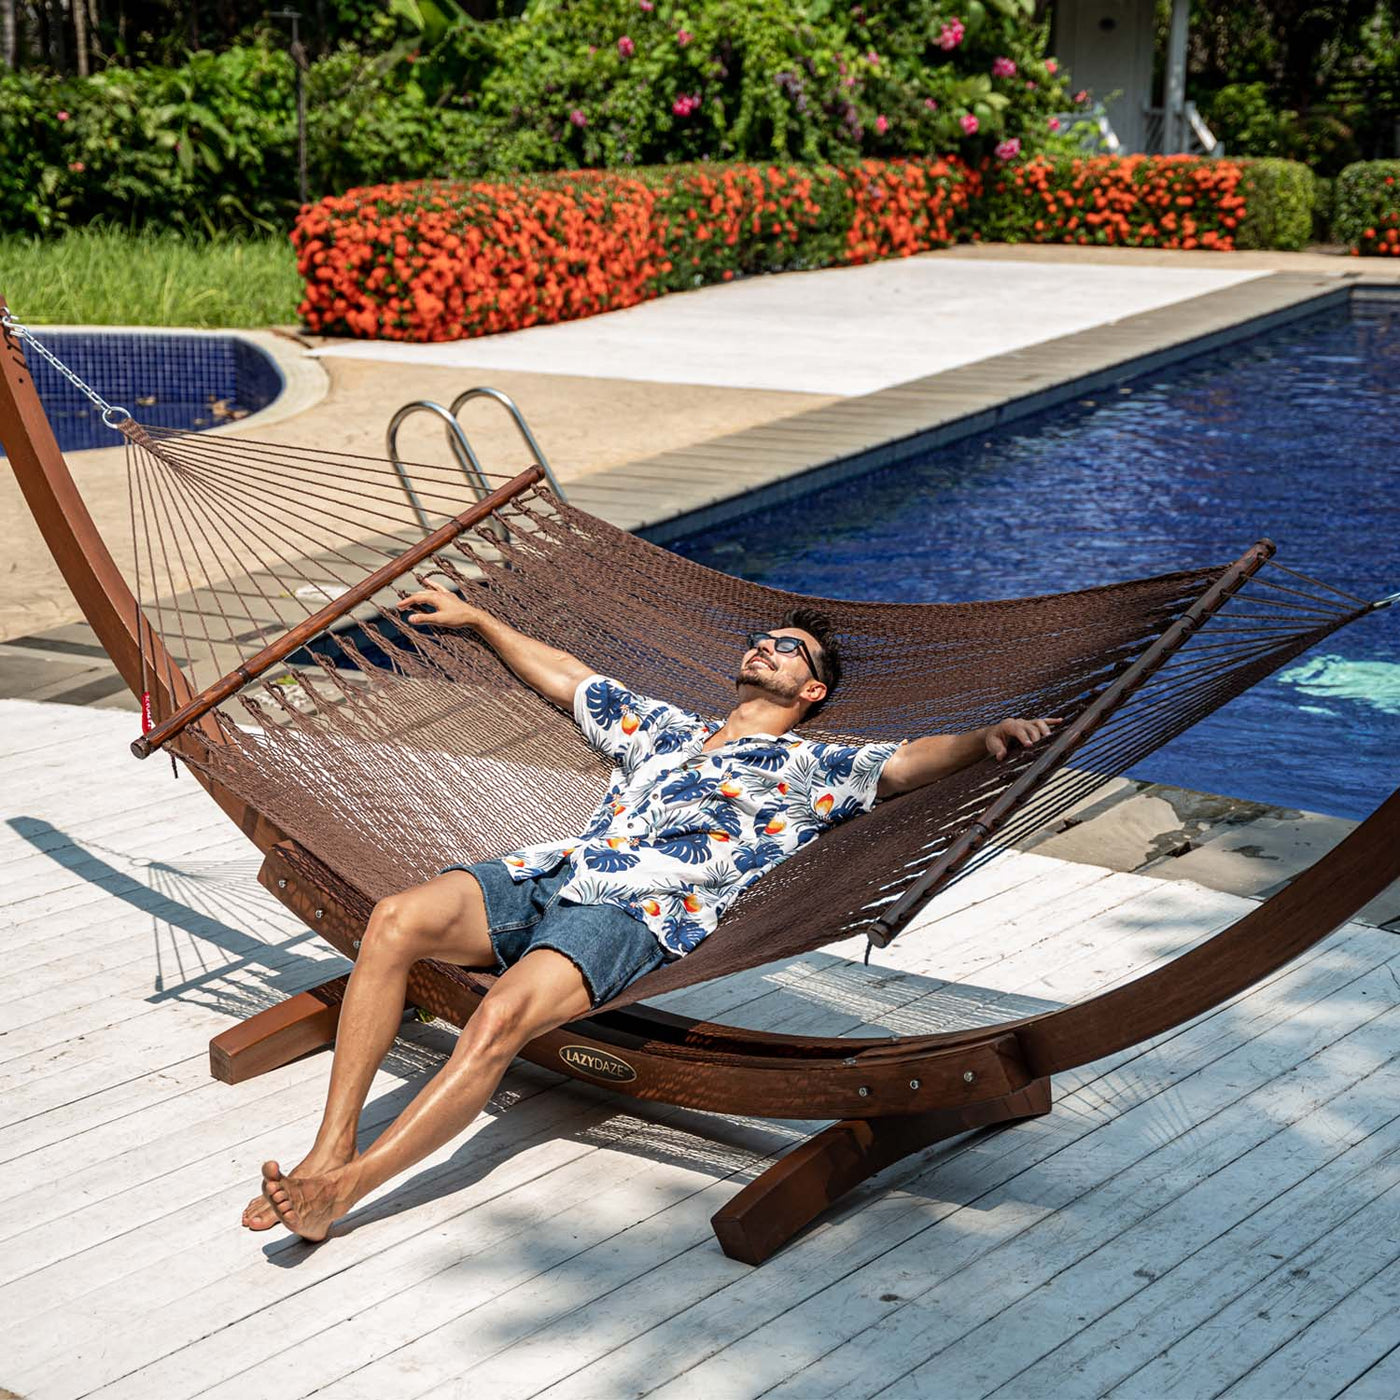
[(258, 1214), (309, 1205)]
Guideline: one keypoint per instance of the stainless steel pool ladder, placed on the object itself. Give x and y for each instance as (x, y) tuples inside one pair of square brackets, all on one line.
[(460, 444)]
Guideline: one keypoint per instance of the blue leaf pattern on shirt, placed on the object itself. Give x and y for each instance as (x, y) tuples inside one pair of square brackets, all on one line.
[(691, 847), (687, 788), (681, 935), (605, 858), (605, 703), (756, 857)]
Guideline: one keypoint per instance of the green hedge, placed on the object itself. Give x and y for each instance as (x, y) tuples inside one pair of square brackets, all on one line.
[(1278, 198), (1367, 208)]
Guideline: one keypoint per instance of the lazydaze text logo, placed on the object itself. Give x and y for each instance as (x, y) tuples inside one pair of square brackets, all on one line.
[(598, 1064)]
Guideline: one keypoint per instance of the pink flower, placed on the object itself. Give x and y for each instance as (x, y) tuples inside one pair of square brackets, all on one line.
[(1051, 67), (646, 6), (577, 117), (1003, 68), (1053, 123), (1082, 96), (882, 124), (62, 116), (930, 104), (684, 105), (872, 58), (849, 80), (626, 47), (77, 167), (1006, 150), (969, 123), (951, 35), (683, 37), (1030, 85)]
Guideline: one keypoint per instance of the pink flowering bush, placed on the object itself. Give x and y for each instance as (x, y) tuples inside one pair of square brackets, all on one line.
[(663, 81)]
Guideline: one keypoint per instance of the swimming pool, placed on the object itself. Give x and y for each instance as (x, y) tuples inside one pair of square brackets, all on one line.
[(166, 380), (1293, 434)]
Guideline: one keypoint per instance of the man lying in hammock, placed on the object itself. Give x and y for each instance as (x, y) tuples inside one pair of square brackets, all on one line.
[(697, 810)]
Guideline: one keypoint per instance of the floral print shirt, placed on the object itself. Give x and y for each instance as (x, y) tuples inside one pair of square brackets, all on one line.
[(680, 832)]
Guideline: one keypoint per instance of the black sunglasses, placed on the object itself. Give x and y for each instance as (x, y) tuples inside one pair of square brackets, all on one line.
[(786, 645)]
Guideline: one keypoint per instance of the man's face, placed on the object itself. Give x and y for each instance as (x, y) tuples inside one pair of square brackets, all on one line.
[(781, 675)]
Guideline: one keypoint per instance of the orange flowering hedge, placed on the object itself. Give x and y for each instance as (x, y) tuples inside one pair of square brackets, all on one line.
[(1367, 216), (1129, 201), (440, 260)]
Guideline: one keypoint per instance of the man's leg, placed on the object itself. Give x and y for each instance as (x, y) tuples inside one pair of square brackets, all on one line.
[(444, 918), (543, 990)]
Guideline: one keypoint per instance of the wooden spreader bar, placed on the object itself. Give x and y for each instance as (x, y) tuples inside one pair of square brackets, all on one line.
[(303, 632)]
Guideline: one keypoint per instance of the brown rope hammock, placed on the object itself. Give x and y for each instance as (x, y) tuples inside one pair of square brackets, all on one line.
[(387, 753), (359, 757)]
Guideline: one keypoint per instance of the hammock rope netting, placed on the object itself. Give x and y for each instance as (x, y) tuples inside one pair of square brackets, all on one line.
[(387, 752)]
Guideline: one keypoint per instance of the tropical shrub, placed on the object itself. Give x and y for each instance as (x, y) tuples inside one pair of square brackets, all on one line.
[(209, 145), (441, 260), (625, 83), (1367, 208), (202, 145), (1279, 196)]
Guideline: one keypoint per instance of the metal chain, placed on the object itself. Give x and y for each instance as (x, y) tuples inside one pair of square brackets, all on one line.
[(108, 410)]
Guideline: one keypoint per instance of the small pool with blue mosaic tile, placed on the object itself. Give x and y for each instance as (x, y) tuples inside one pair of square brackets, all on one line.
[(166, 380)]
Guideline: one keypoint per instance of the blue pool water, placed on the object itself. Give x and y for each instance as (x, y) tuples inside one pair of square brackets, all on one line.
[(1293, 434), (166, 381)]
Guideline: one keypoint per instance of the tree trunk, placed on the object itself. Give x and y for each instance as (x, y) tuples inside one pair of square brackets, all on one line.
[(58, 36), (80, 35), (9, 34)]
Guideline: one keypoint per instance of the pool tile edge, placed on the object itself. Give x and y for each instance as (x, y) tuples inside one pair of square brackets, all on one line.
[(701, 486)]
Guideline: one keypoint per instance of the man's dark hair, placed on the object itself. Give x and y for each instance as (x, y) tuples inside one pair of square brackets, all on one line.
[(820, 625)]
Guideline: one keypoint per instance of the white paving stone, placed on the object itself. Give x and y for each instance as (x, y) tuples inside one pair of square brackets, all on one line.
[(871, 327)]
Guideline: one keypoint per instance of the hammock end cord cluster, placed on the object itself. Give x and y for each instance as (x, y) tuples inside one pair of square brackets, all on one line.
[(388, 752)]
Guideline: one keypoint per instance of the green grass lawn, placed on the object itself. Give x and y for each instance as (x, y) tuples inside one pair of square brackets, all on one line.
[(107, 277)]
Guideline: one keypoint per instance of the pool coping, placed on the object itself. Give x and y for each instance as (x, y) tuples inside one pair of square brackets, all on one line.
[(304, 381), (694, 488)]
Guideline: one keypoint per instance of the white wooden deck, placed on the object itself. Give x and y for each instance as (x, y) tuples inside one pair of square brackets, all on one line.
[(1215, 1213)]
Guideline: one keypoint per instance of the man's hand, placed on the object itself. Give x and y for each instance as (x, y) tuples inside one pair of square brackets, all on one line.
[(553, 673), (1000, 737), (442, 609), (937, 756)]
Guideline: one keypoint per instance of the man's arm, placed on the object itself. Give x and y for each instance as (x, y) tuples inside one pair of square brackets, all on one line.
[(926, 760), (553, 673)]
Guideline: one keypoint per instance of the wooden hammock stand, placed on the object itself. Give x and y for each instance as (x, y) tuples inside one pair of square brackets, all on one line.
[(891, 1096)]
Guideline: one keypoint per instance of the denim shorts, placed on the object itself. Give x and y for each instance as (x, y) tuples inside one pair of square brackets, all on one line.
[(607, 945)]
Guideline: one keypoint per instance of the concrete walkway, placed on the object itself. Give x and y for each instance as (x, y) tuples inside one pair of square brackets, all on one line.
[(842, 331)]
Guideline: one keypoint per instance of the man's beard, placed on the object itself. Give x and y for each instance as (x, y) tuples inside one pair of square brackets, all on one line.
[(774, 683)]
